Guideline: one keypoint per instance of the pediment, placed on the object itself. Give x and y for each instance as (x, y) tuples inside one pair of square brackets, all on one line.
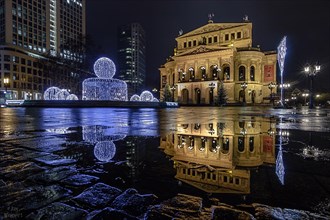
[(210, 28)]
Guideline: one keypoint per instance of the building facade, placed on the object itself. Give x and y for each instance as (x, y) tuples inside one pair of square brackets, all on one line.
[(40, 46), (131, 57), (216, 58), (217, 157)]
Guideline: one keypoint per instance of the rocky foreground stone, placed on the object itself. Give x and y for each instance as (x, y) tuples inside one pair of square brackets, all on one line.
[(37, 184)]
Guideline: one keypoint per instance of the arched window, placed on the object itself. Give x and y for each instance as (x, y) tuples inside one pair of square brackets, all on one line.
[(214, 146), (225, 145), (202, 147), (251, 144), (252, 72), (226, 72), (241, 73), (191, 73), (241, 144), (215, 71), (203, 72), (192, 143), (181, 76), (197, 96)]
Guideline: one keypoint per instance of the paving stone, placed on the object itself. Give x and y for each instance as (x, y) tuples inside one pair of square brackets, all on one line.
[(58, 211), (53, 175), (20, 171), (133, 203), (180, 205), (41, 197), (80, 180), (224, 212), (109, 213), (98, 195), (54, 160)]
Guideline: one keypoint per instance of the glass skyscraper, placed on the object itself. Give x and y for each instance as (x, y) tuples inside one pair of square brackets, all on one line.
[(40, 40), (131, 56)]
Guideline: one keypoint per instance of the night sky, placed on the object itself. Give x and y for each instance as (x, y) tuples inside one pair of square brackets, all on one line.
[(306, 23)]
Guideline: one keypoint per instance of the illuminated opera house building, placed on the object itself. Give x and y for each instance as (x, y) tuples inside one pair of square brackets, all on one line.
[(219, 55), (218, 157)]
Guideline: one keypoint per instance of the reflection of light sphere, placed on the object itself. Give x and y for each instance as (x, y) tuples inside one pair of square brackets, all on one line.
[(72, 97), (146, 96), (104, 68), (50, 93), (155, 100), (62, 95), (104, 151), (135, 98)]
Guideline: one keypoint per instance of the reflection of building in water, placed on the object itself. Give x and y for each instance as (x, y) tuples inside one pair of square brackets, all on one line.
[(135, 153), (216, 157), (103, 137)]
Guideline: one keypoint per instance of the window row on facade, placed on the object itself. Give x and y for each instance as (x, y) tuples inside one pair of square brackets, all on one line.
[(212, 39), (214, 144), (215, 176), (214, 73)]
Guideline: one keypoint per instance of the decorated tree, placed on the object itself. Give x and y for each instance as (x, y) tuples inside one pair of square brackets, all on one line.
[(222, 95), (168, 96)]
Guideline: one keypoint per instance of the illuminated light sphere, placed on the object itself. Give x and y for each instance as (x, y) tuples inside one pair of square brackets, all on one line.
[(72, 97), (135, 98), (104, 68), (104, 89), (51, 93), (146, 96), (104, 151), (97, 133), (62, 94), (155, 100)]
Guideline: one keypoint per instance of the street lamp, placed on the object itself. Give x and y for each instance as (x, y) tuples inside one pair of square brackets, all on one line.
[(244, 86), (285, 86), (271, 86), (173, 89), (305, 95), (311, 71)]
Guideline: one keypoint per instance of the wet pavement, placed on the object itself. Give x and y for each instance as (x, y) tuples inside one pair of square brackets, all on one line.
[(93, 162)]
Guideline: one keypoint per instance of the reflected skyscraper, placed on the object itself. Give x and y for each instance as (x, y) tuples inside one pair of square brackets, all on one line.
[(131, 54)]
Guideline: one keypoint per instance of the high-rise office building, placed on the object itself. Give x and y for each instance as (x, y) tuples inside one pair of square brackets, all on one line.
[(131, 55), (40, 40)]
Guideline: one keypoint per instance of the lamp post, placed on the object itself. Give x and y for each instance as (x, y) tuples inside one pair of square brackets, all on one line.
[(173, 90), (271, 86), (311, 71), (284, 86), (244, 86), (305, 95)]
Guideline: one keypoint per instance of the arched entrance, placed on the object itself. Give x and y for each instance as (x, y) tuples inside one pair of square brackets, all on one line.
[(241, 96), (197, 96), (185, 96), (253, 96), (211, 96)]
